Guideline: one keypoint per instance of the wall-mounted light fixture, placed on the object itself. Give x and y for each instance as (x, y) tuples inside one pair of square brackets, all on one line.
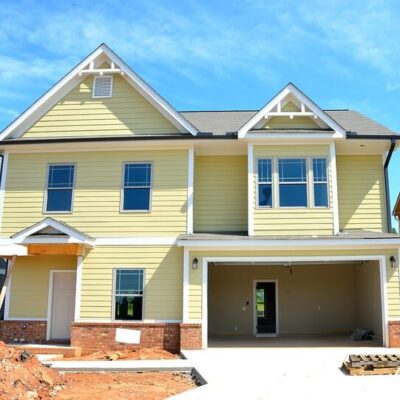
[(195, 263), (392, 261)]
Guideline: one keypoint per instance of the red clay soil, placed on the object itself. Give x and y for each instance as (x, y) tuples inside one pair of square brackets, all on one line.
[(26, 380), (124, 386), (148, 353), (23, 377)]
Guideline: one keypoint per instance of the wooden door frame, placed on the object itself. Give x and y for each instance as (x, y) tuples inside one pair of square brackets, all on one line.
[(255, 281), (50, 297)]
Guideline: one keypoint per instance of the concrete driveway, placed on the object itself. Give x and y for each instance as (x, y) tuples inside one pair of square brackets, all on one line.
[(276, 372)]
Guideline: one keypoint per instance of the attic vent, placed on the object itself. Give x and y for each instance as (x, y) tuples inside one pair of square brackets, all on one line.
[(102, 86)]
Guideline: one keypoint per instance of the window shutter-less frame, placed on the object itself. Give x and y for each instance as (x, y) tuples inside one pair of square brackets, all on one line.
[(102, 86)]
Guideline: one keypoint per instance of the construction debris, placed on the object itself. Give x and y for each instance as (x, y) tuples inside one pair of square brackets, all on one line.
[(378, 364)]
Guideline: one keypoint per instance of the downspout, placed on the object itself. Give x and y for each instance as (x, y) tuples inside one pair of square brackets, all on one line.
[(393, 139), (387, 190)]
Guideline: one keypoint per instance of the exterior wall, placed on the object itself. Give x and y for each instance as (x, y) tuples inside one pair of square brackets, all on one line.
[(23, 331), (195, 276), (314, 299), (361, 192), (368, 297), (291, 221), (78, 114), (220, 194), (30, 284), (97, 194), (163, 281)]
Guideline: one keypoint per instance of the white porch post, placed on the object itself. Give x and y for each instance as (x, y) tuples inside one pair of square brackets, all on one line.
[(78, 288), (185, 300)]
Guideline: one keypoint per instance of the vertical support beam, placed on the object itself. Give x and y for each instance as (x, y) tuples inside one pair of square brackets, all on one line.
[(6, 284), (3, 178), (78, 288), (335, 201), (186, 270), (190, 191), (250, 189), (204, 304), (384, 302)]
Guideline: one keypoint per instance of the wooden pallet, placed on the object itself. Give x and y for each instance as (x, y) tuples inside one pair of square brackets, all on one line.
[(374, 361), (367, 370)]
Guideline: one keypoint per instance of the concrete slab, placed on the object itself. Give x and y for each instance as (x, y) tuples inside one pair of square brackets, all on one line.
[(121, 365), (49, 357), (281, 373)]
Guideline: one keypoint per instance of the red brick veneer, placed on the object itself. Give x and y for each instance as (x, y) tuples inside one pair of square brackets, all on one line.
[(23, 331), (190, 336), (394, 333)]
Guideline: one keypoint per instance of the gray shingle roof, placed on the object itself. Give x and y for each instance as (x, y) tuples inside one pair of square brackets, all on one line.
[(221, 122)]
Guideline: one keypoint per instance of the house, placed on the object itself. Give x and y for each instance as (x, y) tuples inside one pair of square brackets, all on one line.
[(396, 211), (118, 211)]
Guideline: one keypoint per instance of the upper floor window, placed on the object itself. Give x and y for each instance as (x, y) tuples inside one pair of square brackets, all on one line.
[(137, 187), (265, 183), (128, 294), (102, 86), (292, 182), (60, 184), (320, 182)]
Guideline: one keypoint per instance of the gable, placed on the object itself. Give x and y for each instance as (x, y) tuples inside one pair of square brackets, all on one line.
[(68, 109), (291, 110), (78, 114)]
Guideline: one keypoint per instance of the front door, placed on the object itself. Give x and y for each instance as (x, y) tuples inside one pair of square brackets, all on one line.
[(62, 304), (265, 299)]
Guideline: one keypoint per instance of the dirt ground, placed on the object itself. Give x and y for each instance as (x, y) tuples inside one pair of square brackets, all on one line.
[(23, 377), (124, 386), (150, 353)]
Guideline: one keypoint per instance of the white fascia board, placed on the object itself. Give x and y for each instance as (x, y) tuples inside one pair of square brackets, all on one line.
[(293, 136), (12, 250), (74, 236), (290, 88), (292, 244), (151, 95), (72, 78)]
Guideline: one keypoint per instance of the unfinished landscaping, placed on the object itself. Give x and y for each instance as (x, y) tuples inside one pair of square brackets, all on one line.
[(23, 377)]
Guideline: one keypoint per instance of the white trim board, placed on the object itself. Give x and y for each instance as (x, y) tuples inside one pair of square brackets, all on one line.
[(250, 189), (72, 78), (207, 260), (190, 192), (291, 89)]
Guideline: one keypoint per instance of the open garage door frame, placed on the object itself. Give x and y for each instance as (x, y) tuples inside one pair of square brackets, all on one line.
[(244, 259)]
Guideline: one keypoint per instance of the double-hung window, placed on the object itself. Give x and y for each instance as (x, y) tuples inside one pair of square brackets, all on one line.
[(292, 182), (137, 187), (128, 294), (320, 182), (265, 183), (60, 184)]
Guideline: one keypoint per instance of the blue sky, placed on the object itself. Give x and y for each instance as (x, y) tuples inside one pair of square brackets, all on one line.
[(213, 54)]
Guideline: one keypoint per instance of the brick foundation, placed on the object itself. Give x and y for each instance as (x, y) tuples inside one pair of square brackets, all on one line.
[(23, 331), (394, 333), (190, 336), (99, 336)]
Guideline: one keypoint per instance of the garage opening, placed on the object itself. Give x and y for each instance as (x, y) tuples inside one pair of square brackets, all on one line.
[(319, 302)]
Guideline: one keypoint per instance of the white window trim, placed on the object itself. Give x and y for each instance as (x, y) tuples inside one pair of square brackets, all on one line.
[(44, 211), (94, 84), (121, 207), (327, 182), (265, 183), (114, 284), (309, 182)]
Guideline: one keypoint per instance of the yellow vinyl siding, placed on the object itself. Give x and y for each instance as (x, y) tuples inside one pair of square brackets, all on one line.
[(220, 194), (195, 277), (30, 284), (292, 221), (163, 280), (78, 114), (96, 203), (361, 192)]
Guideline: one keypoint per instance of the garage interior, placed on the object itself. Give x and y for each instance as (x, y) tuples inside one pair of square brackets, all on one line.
[(315, 301)]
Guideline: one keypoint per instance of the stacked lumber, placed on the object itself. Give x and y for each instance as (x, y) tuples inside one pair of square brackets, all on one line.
[(372, 364)]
